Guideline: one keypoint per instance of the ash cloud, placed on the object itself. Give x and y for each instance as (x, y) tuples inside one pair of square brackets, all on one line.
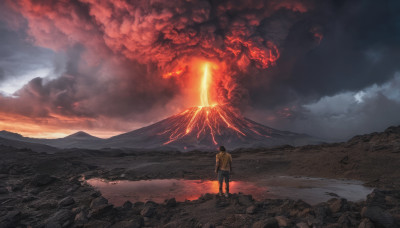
[(360, 48), (284, 56)]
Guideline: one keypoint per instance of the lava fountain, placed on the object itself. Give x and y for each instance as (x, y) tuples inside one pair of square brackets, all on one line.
[(210, 121), (204, 86)]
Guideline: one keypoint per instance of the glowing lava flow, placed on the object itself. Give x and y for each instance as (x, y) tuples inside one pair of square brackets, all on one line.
[(204, 87), (206, 122)]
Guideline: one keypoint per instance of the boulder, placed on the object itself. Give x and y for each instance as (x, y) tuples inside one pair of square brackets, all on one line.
[(28, 199), (321, 211), (148, 211), (133, 223), (42, 180), (81, 217), (127, 205), (336, 205), (378, 215), (251, 210), (267, 223), (100, 210), (245, 200), (171, 202), (208, 225), (61, 218), (98, 202), (347, 219), (376, 198), (366, 223), (67, 201), (206, 196), (333, 225), (302, 225), (93, 223), (3, 190), (95, 194), (10, 219), (282, 220)]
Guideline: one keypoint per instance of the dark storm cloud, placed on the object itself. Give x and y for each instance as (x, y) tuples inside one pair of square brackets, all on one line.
[(360, 47), (2, 75), (343, 115), (19, 60)]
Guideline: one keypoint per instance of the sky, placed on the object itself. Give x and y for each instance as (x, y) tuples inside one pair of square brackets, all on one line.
[(326, 68)]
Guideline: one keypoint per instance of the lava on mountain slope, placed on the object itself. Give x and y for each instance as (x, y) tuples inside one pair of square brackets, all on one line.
[(214, 121)]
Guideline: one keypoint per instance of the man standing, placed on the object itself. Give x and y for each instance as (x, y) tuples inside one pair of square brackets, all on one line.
[(223, 167)]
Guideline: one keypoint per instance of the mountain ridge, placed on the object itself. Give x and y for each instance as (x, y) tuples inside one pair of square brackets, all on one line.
[(197, 128)]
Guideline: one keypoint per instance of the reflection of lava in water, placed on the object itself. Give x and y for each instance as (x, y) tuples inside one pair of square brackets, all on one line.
[(310, 190), (117, 192)]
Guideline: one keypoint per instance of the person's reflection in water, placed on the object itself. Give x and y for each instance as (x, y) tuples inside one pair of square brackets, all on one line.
[(223, 167)]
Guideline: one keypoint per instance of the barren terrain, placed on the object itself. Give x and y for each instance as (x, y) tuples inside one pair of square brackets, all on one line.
[(46, 190)]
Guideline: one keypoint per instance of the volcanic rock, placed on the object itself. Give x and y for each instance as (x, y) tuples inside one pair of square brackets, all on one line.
[(3, 190), (95, 194), (336, 205), (207, 196), (100, 210), (282, 220), (133, 223), (61, 218), (347, 219), (321, 211), (245, 200), (127, 205), (66, 201), (148, 210), (10, 219), (98, 202), (376, 198), (378, 215), (28, 199), (81, 217), (171, 202), (251, 210), (94, 223), (366, 223), (302, 225), (267, 223), (42, 180), (208, 225)]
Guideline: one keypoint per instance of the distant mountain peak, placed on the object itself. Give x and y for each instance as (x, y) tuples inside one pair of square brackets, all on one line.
[(82, 135), (8, 134)]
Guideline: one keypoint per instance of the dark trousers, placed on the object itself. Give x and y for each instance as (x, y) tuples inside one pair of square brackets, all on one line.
[(222, 174)]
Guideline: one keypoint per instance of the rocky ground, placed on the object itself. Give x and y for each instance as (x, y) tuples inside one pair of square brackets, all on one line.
[(46, 190)]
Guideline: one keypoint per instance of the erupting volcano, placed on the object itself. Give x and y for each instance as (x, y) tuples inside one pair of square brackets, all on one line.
[(210, 122), (206, 126)]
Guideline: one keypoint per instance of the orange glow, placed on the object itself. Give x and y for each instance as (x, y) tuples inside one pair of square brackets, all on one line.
[(119, 191), (212, 117), (204, 86), (50, 127), (202, 122), (175, 73)]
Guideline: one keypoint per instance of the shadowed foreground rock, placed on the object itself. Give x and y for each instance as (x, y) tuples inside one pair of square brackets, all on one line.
[(84, 207)]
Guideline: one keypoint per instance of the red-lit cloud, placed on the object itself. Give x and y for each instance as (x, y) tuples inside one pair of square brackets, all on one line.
[(131, 59)]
